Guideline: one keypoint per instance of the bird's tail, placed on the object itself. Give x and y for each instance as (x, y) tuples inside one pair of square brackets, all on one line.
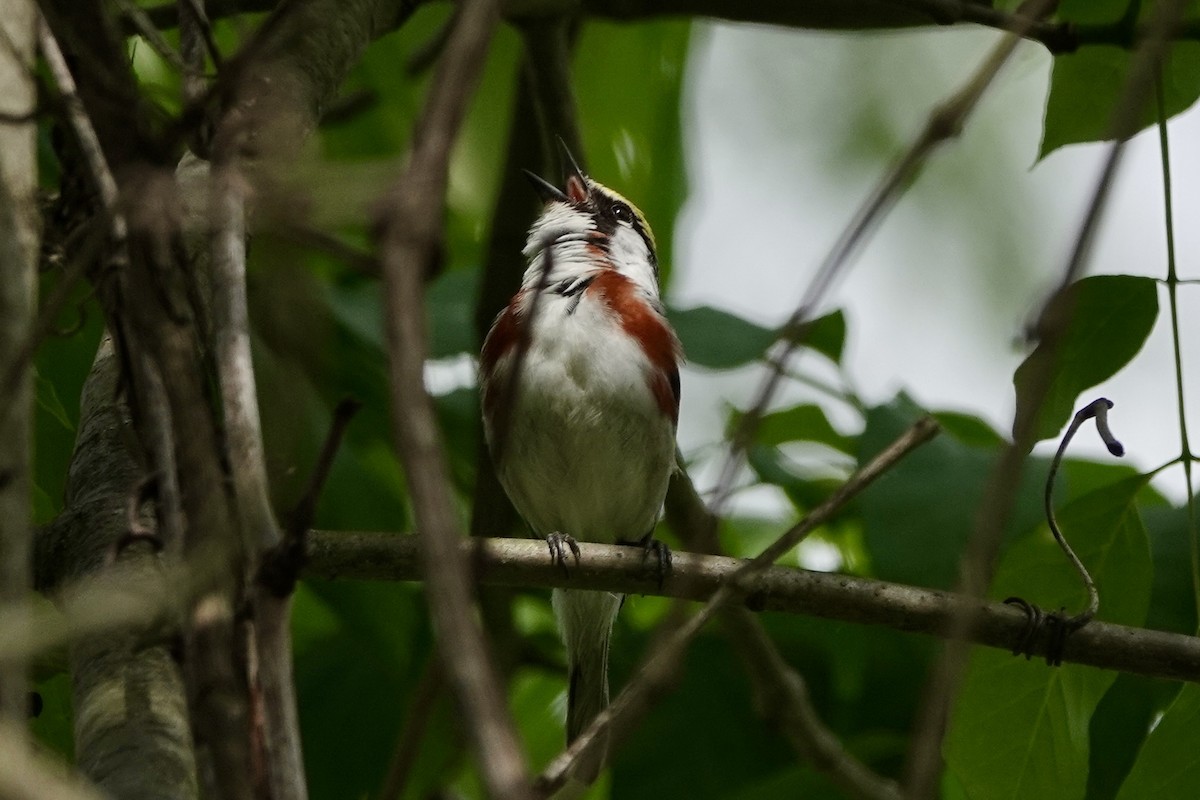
[(585, 620)]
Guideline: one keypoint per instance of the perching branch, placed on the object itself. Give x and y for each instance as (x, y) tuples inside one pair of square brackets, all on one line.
[(335, 555)]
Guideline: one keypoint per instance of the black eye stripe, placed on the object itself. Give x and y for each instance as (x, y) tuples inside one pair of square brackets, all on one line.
[(609, 213)]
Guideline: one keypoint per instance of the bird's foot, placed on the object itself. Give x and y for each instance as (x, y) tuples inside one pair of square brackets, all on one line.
[(662, 555), (559, 545), (1056, 626)]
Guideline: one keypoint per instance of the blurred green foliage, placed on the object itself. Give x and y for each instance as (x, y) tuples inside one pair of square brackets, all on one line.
[(364, 650)]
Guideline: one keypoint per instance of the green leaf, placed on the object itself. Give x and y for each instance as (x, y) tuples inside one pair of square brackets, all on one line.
[(827, 335), (1168, 766), (358, 306), (802, 423), (968, 429), (917, 518), (717, 339), (1085, 87), (1020, 729), (1111, 316), (1172, 604), (1119, 726)]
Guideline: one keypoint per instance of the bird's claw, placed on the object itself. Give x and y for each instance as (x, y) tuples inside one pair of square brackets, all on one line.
[(1056, 625), (559, 544), (662, 555)]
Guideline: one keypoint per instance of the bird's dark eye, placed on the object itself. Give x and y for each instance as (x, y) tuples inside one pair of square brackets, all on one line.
[(622, 212)]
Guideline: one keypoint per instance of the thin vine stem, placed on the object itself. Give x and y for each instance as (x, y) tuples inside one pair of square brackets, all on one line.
[(1172, 282)]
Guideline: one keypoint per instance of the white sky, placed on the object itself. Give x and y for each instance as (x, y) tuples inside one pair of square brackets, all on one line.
[(934, 307)]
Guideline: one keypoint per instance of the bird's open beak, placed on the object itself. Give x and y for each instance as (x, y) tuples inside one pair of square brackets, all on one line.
[(571, 167), (574, 180), (545, 189)]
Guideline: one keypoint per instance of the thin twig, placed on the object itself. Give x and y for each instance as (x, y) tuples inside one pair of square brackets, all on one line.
[(85, 133), (281, 564), (195, 9), (782, 697), (408, 237), (301, 518), (192, 19), (275, 728)]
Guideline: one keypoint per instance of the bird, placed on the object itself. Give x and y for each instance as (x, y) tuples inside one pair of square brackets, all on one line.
[(580, 392)]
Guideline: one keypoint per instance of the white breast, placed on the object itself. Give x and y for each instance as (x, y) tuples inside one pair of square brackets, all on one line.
[(590, 451)]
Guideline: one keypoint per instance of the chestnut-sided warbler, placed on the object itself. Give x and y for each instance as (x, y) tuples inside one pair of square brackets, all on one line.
[(580, 394)]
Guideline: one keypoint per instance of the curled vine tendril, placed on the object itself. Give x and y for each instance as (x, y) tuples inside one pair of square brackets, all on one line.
[(1057, 624)]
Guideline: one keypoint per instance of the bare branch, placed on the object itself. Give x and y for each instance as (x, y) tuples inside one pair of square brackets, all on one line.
[(408, 238)]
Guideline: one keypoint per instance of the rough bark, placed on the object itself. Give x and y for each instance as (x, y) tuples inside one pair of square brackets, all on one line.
[(128, 697)]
